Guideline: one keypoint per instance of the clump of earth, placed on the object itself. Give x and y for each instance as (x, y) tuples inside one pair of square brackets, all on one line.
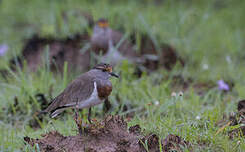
[(110, 135)]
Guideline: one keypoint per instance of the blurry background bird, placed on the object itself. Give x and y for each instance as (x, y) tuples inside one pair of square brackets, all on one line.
[(112, 44)]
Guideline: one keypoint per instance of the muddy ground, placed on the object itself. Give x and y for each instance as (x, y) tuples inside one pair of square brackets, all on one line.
[(113, 135), (109, 135), (73, 50), (238, 118), (235, 120)]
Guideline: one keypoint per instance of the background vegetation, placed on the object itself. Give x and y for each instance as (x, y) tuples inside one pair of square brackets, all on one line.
[(209, 35)]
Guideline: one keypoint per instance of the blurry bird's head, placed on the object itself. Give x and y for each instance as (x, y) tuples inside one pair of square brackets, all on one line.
[(104, 67), (102, 23)]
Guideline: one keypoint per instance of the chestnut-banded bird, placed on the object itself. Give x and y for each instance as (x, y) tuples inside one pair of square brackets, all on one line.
[(112, 44), (86, 91)]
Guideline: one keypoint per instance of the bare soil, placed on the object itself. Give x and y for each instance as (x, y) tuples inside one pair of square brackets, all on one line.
[(69, 49), (110, 135), (166, 54), (238, 119), (235, 119), (174, 143), (60, 50)]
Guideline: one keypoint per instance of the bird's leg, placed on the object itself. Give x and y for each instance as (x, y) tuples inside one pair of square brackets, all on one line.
[(76, 115), (89, 114), (107, 105), (78, 120)]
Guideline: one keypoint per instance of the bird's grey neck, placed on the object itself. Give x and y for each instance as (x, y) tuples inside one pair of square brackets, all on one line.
[(100, 29)]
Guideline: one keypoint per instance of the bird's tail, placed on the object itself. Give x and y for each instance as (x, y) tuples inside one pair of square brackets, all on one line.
[(50, 107), (56, 112), (52, 113), (54, 108)]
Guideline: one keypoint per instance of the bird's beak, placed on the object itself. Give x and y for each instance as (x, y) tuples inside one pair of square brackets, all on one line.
[(114, 75)]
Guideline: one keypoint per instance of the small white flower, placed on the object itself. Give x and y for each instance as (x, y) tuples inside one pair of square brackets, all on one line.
[(198, 117), (181, 94), (173, 94), (238, 142), (205, 66), (156, 103)]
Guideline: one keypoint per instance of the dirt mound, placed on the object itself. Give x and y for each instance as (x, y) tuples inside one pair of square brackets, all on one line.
[(238, 119), (235, 122), (164, 55), (174, 143), (69, 49), (60, 50), (241, 107), (110, 135)]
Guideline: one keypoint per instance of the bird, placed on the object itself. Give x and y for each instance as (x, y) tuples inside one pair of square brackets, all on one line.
[(113, 56), (86, 91), (112, 44)]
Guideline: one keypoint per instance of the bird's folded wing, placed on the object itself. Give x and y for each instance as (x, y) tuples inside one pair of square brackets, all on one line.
[(78, 90)]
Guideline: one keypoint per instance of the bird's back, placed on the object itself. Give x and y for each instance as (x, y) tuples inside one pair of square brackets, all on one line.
[(78, 90)]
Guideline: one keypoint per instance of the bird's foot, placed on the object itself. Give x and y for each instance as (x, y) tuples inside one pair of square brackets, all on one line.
[(89, 115), (79, 126), (78, 121)]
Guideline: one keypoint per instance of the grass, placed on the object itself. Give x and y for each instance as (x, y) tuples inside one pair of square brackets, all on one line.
[(204, 33)]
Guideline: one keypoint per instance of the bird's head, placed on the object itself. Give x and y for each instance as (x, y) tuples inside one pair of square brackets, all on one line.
[(102, 23), (104, 67)]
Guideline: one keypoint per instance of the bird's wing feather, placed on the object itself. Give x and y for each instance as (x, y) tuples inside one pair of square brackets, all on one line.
[(78, 90)]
